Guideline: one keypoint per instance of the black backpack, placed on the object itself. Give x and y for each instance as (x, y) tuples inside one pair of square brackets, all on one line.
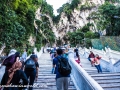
[(64, 67), (30, 64)]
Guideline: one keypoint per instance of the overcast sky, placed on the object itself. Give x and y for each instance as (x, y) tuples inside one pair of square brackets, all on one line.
[(56, 4)]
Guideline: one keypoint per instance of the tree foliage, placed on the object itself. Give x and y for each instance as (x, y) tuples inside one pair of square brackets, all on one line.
[(17, 22), (82, 34), (67, 8), (87, 6), (108, 20), (46, 8)]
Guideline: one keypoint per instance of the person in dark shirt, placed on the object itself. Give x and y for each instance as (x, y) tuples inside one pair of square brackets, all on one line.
[(91, 58), (53, 69), (13, 77), (77, 56), (32, 73), (61, 81)]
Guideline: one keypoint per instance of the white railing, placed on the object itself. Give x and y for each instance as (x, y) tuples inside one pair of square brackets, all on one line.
[(115, 55), (80, 77), (38, 53), (117, 66)]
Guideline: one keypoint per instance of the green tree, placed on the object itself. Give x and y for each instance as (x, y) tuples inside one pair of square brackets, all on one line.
[(17, 22), (104, 18), (89, 34)]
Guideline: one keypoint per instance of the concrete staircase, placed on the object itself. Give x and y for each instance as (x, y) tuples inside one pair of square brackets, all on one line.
[(107, 80), (46, 80)]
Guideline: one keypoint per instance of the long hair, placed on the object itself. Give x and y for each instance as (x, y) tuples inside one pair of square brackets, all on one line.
[(76, 51), (77, 54)]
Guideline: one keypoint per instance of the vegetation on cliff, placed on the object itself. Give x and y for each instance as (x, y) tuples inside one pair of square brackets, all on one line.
[(66, 8), (17, 23)]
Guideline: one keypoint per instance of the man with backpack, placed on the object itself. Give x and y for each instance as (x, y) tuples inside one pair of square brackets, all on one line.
[(31, 69), (62, 69)]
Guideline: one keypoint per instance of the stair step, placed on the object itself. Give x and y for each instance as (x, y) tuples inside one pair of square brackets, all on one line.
[(110, 85), (90, 68), (53, 88), (46, 77), (112, 88), (42, 65), (48, 80), (45, 70), (50, 87), (107, 77), (108, 81), (95, 72), (51, 83), (103, 74), (46, 74)]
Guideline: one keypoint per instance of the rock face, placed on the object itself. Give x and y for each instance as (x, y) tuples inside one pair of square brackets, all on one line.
[(39, 15), (78, 18)]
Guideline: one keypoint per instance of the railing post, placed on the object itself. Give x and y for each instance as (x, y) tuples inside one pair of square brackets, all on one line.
[(111, 61), (103, 52), (85, 52), (111, 65)]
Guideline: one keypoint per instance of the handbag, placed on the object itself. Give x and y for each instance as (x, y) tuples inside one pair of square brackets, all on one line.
[(78, 61)]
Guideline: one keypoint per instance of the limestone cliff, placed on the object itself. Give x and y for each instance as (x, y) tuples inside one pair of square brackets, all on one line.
[(78, 17)]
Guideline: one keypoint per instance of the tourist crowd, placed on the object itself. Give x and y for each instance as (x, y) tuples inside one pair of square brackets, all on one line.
[(20, 72), (24, 71)]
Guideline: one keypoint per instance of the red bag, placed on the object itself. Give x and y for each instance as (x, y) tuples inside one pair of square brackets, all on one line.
[(78, 61)]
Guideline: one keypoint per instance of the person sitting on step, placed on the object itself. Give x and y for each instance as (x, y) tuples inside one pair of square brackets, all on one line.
[(91, 58)]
